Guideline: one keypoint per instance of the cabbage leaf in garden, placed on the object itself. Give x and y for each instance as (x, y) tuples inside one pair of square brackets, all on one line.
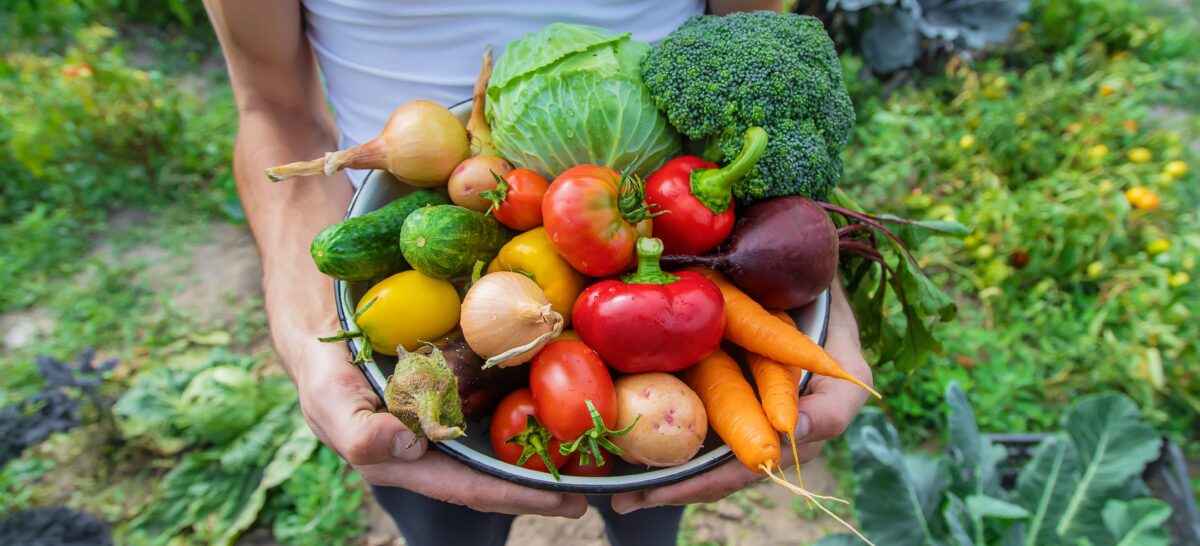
[(1080, 486), (572, 94)]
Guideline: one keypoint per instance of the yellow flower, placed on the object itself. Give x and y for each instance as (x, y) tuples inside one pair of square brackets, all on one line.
[(1098, 151), (1178, 279), (967, 141), (1140, 155), (1158, 246), (1175, 169)]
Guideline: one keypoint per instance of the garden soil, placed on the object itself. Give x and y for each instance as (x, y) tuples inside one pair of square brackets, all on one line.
[(225, 268)]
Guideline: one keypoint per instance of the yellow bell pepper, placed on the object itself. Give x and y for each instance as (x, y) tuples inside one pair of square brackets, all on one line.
[(531, 253)]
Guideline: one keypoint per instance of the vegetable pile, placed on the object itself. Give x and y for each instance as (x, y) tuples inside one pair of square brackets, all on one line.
[(553, 225)]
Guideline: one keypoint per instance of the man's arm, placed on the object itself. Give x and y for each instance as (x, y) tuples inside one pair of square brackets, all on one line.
[(283, 118)]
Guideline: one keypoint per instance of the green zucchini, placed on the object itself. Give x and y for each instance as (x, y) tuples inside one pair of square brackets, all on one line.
[(364, 247), (445, 241)]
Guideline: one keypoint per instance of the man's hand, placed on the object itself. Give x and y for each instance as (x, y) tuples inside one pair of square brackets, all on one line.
[(825, 412), (342, 409)]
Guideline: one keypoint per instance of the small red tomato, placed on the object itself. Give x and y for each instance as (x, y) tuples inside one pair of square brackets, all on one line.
[(593, 216), (517, 199), (516, 435), (575, 468)]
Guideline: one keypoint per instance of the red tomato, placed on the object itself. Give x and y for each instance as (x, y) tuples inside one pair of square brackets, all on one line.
[(562, 377), (573, 468), (593, 217), (511, 420), (517, 199)]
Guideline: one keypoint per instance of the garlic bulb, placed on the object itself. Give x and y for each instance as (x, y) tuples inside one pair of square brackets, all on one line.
[(506, 319)]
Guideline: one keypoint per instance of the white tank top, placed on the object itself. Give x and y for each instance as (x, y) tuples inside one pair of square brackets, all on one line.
[(377, 54)]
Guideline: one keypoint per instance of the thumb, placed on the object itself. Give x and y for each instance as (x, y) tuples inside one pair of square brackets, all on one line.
[(828, 410), (341, 407), (377, 437)]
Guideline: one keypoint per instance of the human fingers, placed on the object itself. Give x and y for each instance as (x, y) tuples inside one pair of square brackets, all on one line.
[(343, 411), (438, 476)]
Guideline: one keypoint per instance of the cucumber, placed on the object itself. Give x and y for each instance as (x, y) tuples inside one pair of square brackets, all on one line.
[(445, 241), (364, 247)]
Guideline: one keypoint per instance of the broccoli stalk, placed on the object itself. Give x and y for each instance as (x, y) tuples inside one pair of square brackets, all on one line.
[(714, 77)]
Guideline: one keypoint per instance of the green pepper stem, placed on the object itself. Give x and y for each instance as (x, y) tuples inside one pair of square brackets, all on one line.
[(649, 271), (714, 187)]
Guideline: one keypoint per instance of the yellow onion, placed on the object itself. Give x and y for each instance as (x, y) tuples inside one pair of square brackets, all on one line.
[(421, 145), (506, 319)]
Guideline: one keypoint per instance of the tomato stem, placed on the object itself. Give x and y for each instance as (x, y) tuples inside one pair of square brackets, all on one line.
[(498, 195), (589, 443), (365, 353), (714, 187), (533, 440), (631, 199), (649, 271)]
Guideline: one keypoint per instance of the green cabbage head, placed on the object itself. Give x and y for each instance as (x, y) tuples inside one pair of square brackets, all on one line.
[(572, 94), (220, 403)]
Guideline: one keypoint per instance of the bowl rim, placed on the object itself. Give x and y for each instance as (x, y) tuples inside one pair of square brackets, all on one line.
[(488, 464)]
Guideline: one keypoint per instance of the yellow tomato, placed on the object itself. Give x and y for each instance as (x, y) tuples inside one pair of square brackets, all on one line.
[(1094, 270), (409, 308), (1179, 279), (966, 142), (1140, 155), (1098, 151), (1142, 198), (1158, 246), (1175, 169)]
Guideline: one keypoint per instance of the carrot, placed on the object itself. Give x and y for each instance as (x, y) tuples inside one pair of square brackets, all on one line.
[(752, 327), (779, 388), (735, 414), (733, 411)]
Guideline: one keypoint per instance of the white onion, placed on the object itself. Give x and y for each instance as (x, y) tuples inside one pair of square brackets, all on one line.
[(506, 319)]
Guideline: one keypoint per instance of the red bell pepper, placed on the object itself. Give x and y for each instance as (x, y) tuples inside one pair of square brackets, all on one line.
[(651, 321), (698, 196)]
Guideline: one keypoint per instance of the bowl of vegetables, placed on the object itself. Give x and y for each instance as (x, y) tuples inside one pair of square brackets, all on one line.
[(547, 286), (474, 448)]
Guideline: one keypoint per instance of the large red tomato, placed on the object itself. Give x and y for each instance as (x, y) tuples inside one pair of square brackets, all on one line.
[(516, 435), (573, 396), (593, 216)]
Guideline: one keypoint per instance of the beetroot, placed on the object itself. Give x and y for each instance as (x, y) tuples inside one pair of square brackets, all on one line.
[(783, 252)]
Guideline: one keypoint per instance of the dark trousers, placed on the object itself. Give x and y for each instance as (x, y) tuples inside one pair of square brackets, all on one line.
[(429, 522)]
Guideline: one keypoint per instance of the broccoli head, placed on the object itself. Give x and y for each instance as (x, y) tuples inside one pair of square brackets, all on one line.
[(714, 77)]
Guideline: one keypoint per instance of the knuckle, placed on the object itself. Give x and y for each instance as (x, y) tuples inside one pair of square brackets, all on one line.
[(357, 450)]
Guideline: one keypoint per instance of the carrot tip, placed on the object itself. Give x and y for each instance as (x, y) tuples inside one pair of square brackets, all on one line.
[(808, 495)]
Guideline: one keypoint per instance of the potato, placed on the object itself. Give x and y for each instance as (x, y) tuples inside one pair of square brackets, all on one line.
[(672, 424)]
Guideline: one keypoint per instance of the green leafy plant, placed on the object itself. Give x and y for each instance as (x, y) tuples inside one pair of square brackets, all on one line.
[(320, 504), (1081, 484)]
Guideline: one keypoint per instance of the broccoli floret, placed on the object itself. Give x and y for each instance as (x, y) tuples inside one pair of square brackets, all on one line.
[(716, 76)]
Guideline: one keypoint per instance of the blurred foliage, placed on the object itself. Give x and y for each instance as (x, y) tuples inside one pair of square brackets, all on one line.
[(1070, 283), (1066, 286)]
